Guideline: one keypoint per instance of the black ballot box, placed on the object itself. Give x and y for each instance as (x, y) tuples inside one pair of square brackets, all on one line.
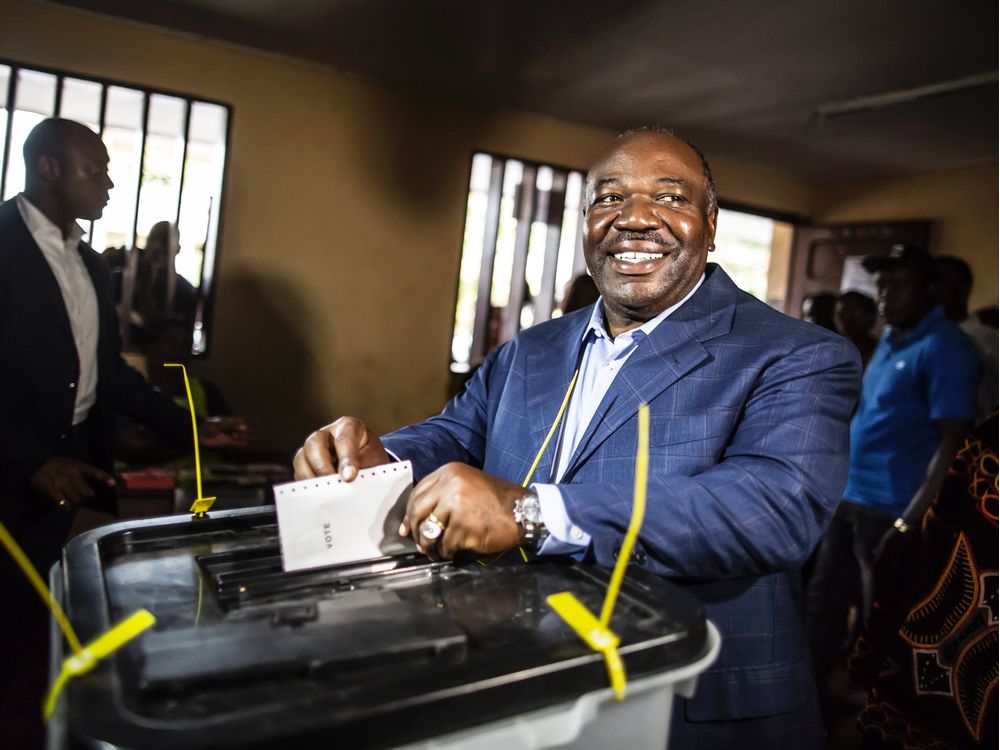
[(393, 652)]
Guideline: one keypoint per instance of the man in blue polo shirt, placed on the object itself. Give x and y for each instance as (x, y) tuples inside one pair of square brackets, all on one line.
[(918, 400)]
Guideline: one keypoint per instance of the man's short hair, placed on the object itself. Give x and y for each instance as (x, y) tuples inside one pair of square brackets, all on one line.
[(957, 266), (863, 301), (50, 137), (47, 138), (706, 170)]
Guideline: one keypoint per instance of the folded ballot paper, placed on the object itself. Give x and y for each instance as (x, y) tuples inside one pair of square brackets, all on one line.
[(326, 521)]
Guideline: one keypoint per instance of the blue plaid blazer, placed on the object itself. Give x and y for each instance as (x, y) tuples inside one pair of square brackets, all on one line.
[(749, 416)]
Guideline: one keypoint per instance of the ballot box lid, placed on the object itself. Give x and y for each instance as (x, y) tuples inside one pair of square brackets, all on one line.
[(380, 653)]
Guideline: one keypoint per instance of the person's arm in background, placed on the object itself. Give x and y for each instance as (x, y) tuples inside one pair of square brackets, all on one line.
[(951, 436), (28, 463), (952, 380)]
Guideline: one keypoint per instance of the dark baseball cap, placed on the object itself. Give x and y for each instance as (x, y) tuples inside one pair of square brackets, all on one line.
[(901, 256)]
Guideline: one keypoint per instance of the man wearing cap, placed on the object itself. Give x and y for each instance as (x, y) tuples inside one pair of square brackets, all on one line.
[(918, 400)]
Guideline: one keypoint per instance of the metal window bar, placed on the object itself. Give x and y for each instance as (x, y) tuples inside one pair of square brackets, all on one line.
[(525, 200), (11, 94), (580, 262), (102, 114), (57, 108), (184, 154), (142, 166), (492, 230), (550, 210), (131, 258)]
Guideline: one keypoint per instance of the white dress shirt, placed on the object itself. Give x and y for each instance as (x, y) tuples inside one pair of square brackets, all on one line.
[(63, 257), (600, 362)]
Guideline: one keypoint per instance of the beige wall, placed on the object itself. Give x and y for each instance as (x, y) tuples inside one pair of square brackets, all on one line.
[(344, 215), (962, 203)]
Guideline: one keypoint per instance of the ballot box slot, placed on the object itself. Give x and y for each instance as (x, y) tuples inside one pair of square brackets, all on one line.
[(254, 576)]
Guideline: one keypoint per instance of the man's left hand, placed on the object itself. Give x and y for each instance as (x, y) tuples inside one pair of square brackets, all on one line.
[(476, 510), (225, 432)]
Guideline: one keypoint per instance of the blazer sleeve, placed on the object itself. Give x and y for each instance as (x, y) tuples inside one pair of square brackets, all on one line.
[(22, 451), (764, 506)]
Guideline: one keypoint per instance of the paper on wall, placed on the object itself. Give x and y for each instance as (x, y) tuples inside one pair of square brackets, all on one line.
[(326, 521)]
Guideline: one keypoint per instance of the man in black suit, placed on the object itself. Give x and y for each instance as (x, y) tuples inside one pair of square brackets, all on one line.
[(62, 377)]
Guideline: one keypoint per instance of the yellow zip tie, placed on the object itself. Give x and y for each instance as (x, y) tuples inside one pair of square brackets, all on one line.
[(638, 514), (538, 457), (552, 429), (201, 505), (84, 657), (105, 644), (594, 632), (29, 570)]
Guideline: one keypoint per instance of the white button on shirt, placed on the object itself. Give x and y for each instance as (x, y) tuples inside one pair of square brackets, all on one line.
[(63, 256), (601, 360)]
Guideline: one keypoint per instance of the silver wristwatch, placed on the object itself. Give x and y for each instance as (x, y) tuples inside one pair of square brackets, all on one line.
[(528, 514)]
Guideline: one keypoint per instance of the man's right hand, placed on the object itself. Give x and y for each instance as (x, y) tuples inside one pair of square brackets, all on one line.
[(66, 480), (345, 446)]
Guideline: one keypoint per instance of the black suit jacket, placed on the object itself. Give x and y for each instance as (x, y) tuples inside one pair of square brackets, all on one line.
[(39, 368)]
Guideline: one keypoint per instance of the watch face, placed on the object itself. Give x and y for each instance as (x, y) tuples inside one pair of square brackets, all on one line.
[(531, 509)]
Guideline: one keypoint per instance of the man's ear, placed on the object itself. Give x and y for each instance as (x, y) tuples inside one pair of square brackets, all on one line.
[(49, 167), (710, 220)]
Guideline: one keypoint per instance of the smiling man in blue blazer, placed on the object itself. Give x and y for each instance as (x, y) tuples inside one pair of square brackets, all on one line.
[(748, 440)]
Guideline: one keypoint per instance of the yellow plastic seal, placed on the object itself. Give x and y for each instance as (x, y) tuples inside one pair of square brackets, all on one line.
[(83, 658), (595, 632), (201, 504), (86, 659)]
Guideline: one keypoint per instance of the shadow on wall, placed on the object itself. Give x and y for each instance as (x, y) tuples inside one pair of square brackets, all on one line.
[(260, 358)]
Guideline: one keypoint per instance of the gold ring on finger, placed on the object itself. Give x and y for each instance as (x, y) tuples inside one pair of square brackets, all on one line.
[(432, 528)]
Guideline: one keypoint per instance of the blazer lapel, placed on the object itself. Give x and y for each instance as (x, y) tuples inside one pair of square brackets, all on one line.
[(37, 267), (675, 347), (549, 373)]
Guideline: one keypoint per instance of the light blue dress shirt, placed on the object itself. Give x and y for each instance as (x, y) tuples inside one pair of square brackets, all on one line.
[(600, 362)]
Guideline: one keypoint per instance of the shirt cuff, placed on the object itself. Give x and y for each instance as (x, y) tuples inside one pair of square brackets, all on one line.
[(564, 537)]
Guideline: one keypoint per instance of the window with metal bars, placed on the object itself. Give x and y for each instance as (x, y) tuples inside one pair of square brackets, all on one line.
[(520, 251), (168, 157)]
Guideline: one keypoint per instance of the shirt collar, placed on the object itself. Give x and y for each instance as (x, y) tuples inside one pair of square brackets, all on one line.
[(37, 222), (596, 322), (921, 329)]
